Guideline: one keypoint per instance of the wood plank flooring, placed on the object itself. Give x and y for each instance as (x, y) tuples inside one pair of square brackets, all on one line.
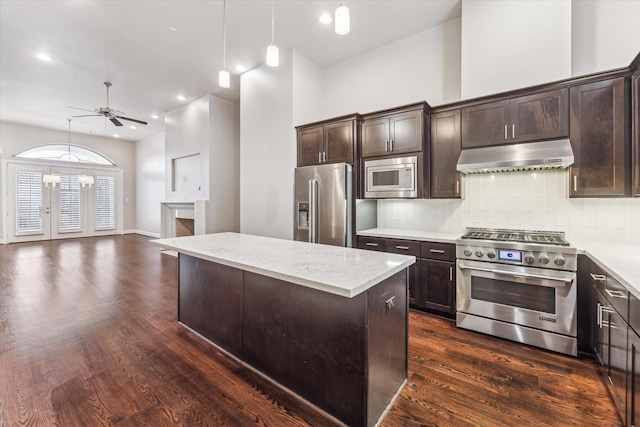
[(88, 337)]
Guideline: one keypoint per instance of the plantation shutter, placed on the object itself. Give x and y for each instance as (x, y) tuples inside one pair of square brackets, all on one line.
[(106, 202), (29, 202), (70, 219)]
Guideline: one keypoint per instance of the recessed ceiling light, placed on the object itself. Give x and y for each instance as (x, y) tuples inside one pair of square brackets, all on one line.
[(326, 19), (115, 135), (181, 98), (43, 57), (132, 127), (154, 116), (240, 68), (172, 28)]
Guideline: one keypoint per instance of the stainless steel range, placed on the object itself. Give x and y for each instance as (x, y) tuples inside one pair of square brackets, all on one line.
[(519, 285)]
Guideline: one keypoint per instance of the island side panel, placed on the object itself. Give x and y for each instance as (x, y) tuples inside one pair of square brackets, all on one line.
[(210, 301), (387, 343), (318, 348)]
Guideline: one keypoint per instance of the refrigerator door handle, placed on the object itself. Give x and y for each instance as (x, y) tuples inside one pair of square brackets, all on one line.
[(313, 211)]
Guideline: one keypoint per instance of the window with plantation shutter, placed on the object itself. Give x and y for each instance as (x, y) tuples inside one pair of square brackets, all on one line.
[(105, 202), (29, 202), (70, 219)]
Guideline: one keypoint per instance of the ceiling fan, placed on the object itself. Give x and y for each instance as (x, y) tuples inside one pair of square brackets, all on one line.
[(109, 113)]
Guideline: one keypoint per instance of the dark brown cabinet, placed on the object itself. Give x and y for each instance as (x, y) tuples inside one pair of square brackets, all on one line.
[(438, 277), (400, 131), (636, 134), (633, 378), (534, 117), (599, 139), (331, 142), (445, 146)]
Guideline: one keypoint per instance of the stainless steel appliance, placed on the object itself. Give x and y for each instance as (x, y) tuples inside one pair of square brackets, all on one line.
[(395, 177), (519, 285), (324, 204)]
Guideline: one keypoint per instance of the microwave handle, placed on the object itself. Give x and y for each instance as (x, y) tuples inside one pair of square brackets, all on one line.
[(564, 280)]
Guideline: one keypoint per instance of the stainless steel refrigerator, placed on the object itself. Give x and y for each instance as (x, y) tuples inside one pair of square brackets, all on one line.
[(323, 204)]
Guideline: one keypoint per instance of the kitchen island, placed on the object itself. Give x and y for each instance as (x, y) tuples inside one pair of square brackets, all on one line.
[(327, 323)]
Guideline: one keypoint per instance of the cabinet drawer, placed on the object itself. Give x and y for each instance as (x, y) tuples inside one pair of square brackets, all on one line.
[(438, 251), (616, 294), (404, 247), (372, 243)]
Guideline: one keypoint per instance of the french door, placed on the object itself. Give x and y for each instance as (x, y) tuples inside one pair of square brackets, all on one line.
[(35, 212)]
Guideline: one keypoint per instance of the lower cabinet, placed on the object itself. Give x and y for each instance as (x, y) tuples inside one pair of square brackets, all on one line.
[(633, 378), (432, 279)]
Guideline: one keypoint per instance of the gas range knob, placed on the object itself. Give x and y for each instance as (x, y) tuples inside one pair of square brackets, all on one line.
[(467, 251), (479, 253), (491, 254), (544, 259), (559, 261), (529, 258)]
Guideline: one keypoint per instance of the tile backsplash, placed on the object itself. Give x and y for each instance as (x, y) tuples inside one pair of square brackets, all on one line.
[(519, 200)]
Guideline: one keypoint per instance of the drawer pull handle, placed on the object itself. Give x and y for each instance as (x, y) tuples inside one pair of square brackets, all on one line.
[(404, 248), (616, 294), (598, 277), (375, 245), (436, 251)]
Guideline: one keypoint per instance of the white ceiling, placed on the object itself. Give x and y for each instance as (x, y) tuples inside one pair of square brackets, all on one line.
[(129, 43)]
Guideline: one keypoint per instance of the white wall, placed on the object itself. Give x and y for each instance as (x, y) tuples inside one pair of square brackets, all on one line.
[(307, 89), (15, 138), (150, 183), (519, 200), (605, 34), (425, 66), (267, 150), (512, 44)]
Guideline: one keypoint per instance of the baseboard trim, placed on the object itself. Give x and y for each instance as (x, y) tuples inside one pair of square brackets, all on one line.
[(144, 233)]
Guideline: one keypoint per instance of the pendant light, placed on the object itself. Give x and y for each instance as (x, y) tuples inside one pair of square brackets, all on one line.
[(273, 59), (224, 78), (342, 20)]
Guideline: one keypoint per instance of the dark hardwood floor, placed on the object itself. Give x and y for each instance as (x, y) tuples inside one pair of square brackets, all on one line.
[(88, 337)]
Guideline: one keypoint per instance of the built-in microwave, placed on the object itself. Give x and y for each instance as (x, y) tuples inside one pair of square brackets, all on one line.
[(395, 177)]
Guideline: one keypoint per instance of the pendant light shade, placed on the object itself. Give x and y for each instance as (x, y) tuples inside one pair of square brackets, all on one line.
[(224, 79), (343, 25), (51, 181), (85, 181), (273, 57)]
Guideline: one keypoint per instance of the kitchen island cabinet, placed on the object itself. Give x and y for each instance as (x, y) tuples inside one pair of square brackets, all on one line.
[(327, 323)]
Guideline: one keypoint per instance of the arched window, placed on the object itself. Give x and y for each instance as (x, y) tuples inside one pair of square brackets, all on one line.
[(65, 153)]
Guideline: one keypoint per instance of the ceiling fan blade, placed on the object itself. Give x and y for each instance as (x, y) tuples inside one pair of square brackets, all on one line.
[(83, 109), (89, 115), (115, 121), (132, 120)]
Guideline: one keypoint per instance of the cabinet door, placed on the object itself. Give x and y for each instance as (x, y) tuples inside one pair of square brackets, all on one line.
[(310, 146), (633, 379), (617, 359), (445, 150), (585, 283), (437, 286), (539, 116), (636, 135), (598, 139), (485, 124), (375, 137), (406, 132), (338, 142)]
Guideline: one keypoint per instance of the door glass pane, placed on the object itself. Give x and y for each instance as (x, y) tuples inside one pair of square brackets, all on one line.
[(29, 202), (106, 202), (391, 177), (70, 219), (513, 294)]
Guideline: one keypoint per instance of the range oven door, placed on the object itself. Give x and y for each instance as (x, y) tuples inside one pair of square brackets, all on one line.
[(533, 297)]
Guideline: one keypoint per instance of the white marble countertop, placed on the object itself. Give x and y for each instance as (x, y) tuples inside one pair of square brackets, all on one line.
[(426, 236), (341, 271), (622, 261)]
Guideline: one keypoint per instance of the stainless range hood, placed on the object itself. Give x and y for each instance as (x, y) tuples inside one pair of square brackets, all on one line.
[(531, 156)]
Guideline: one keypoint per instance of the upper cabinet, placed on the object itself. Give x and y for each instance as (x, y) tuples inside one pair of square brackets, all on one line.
[(534, 117), (599, 139), (445, 149), (328, 142), (636, 134), (394, 132)]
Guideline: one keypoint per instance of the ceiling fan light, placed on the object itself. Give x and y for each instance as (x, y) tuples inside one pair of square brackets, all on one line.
[(342, 20), (224, 79), (273, 58)]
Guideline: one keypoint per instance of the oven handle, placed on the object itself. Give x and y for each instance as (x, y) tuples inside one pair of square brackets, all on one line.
[(564, 280)]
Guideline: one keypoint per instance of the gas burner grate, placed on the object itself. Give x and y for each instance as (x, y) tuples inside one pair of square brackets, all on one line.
[(518, 237), (521, 236)]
